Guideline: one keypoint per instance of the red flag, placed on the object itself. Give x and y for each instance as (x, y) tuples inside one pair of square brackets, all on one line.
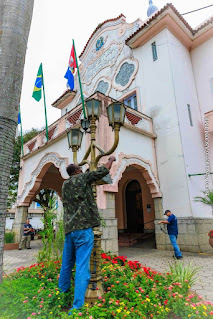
[(72, 61)]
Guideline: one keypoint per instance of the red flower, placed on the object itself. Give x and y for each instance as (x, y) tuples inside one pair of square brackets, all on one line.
[(166, 302), (210, 234), (146, 270), (20, 268)]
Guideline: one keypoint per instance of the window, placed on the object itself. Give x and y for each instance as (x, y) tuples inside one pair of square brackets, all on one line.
[(131, 101), (190, 114), (154, 51), (38, 205)]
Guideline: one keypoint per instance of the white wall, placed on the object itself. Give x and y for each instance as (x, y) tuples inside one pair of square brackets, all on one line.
[(9, 223), (192, 137), (133, 143), (34, 221), (158, 96), (202, 62)]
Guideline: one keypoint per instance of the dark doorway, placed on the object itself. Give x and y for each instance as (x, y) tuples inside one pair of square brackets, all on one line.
[(134, 208)]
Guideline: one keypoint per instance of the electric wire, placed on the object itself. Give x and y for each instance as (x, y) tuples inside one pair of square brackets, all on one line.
[(211, 5)]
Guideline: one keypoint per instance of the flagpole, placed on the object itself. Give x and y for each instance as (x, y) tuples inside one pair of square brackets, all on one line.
[(79, 78), (45, 109), (22, 142)]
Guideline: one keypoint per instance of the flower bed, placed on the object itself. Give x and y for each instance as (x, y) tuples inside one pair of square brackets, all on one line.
[(131, 291)]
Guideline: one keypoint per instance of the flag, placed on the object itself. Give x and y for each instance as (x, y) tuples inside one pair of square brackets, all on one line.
[(19, 122), (19, 117), (71, 69), (38, 85)]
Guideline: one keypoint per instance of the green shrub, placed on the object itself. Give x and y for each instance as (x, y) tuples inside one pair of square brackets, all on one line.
[(52, 235), (185, 274), (9, 238)]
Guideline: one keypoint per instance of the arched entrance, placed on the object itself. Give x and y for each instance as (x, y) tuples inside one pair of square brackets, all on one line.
[(49, 173), (52, 180), (134, 207)]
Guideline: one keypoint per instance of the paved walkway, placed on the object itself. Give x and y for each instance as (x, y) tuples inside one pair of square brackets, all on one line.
[(159, 260), (25, 257), (156, 259)]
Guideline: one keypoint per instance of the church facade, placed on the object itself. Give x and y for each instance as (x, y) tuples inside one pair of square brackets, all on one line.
[(161, 69)]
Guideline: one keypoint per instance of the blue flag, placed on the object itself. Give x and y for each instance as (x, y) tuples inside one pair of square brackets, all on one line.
[(19, 118), (71, 69), (70, 78)]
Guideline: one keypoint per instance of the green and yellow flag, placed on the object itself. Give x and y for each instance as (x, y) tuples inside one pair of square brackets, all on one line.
[(38, 85)]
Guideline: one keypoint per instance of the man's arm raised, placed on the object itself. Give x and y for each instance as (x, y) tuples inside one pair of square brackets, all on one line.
[(108, 165), (101, 171)]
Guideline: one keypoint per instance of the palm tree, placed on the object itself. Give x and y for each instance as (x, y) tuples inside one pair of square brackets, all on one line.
[(15, 21), (207, 199)]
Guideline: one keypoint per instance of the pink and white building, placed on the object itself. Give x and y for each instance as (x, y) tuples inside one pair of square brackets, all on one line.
[(162, 69)]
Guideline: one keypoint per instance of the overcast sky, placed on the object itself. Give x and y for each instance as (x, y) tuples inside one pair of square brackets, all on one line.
[(56, 23)]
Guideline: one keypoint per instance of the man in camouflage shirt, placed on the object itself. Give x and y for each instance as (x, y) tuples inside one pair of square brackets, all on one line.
[(80, 216)]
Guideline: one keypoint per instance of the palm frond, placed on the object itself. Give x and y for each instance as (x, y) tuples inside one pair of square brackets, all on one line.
[(207, 199)]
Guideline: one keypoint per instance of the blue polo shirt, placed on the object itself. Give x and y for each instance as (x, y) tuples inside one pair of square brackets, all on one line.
[(27, 226), (172, 227)]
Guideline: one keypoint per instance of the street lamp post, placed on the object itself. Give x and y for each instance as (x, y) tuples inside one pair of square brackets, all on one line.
[(116, 115)]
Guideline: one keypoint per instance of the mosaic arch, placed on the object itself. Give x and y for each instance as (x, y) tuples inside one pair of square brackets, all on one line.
[(47, 161), (138, 162)]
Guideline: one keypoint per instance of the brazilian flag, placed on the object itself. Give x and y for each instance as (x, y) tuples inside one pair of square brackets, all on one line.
[(38, 84)]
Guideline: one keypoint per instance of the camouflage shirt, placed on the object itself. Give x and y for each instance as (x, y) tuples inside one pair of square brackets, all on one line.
[(80, 208)]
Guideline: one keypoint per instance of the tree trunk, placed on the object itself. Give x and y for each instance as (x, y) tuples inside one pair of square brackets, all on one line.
[(15, 21)]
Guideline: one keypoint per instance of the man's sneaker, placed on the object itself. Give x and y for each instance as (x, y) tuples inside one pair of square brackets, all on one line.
[(179, 257), (29, 248), (19, 248)]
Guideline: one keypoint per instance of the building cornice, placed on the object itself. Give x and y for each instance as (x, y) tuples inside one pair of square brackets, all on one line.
[(168, 17), (64, 99)]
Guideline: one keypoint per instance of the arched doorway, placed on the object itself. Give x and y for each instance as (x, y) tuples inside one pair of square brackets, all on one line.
[(49, 173), (134, 207), (135, 210)]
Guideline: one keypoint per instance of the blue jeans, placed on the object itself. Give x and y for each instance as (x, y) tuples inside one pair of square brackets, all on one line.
[(77, 249), (173, 239)]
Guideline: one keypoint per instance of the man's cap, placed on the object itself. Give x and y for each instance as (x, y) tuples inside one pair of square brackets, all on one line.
[(167, 211)]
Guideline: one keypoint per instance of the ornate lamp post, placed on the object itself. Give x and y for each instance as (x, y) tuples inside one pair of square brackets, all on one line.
[(116, 116)]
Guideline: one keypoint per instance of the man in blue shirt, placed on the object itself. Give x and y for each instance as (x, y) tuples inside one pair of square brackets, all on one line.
[(172, 229), (26, 237)]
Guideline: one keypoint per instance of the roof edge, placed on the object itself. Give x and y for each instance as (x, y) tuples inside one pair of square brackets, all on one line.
[(147, 23), (97, 28)]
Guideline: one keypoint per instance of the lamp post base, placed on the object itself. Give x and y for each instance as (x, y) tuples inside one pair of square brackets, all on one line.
[(95, 289)]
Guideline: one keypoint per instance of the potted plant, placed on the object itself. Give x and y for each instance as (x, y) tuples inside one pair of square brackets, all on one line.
[(210, 234), (9, 241), (207, 199)]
